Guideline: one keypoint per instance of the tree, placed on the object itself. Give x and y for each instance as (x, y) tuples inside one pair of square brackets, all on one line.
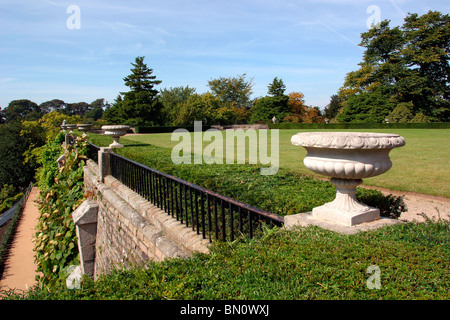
[(371, 107), (276, 88), (96, 109), (141, 80), (51, 122), (267, 107), (236, 90), (15, 140), (53, 105), (172, 99), (300, 112), (401, 113), (113, 113), (401, 65), (428, 53), (312, 115), (297, 107), (22, 110), (2, 119), (332, 109), (275, 104), (78, 108), (139, 106)]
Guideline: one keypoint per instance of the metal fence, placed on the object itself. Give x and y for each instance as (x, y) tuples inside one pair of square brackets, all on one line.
[(214, 216), (93, 152)]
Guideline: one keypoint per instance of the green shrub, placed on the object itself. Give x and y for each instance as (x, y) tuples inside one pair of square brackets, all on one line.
[(9, 202), (409, 125), (61, 193), (390, 206), (7, 237), (162, 129)]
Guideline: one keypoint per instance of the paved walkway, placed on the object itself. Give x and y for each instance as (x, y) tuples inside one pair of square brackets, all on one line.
[(20, 268)]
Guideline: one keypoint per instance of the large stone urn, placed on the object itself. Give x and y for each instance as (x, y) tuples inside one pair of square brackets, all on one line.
[(71, 127), (64, 125), (347, 157), (84, 127), (115, 131)]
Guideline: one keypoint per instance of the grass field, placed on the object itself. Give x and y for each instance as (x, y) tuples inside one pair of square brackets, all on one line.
[(421, 166)]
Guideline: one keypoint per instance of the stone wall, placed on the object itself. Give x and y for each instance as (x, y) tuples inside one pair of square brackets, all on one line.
[(129, 229)]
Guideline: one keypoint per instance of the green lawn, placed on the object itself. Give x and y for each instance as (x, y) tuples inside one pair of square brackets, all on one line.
[(421, 166)]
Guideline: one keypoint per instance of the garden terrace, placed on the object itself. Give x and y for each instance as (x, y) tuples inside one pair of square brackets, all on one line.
[(212, 215)]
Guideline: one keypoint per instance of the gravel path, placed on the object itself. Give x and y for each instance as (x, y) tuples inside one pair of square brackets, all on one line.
[(418, 204), (20, 266)]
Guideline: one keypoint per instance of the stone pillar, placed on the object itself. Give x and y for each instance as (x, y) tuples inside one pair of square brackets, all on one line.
[(104, 162), (85, 219), (68, 139)]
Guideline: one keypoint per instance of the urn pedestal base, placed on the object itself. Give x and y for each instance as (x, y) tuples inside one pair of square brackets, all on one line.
[(346, 218), (115, 143), (345, 208), (307, 219)]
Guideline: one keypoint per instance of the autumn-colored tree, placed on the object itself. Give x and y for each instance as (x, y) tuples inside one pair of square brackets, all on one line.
[(312, 115), (300, 112), (297, 107)]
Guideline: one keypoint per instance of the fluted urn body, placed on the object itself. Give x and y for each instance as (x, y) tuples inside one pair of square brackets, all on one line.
[(115, 131), (84, 127), (71, 127), (347, 157)]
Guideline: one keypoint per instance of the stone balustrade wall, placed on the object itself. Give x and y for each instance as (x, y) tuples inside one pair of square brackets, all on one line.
[(129, 230)]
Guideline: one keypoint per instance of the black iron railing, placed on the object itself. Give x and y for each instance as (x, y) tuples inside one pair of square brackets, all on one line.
[(212, 215), (93, 152)]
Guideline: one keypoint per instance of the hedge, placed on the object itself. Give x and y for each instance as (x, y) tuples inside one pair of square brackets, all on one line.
[(429, 125), (166, 129), (289, 125)]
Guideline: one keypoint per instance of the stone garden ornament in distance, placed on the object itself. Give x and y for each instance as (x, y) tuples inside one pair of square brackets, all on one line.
[(71, 127), (64, 125), (115, 131), (347, 157), (84, 127)]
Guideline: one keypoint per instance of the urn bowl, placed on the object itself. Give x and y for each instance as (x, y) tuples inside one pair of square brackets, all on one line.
[(115, 131), (348, 155)]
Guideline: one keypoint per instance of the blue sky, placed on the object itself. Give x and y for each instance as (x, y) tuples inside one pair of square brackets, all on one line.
[(311, 45)]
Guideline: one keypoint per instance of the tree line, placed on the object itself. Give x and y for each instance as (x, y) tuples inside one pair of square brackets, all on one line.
[(404, 77), (228, 101), (24, 109)]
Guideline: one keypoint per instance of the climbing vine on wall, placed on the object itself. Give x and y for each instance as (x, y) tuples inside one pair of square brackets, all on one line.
[(61, 193)]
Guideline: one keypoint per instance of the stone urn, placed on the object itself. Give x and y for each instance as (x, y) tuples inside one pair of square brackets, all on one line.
[(71, 127), (347, 157), (64, 126), (84, 127), (115, 131)]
